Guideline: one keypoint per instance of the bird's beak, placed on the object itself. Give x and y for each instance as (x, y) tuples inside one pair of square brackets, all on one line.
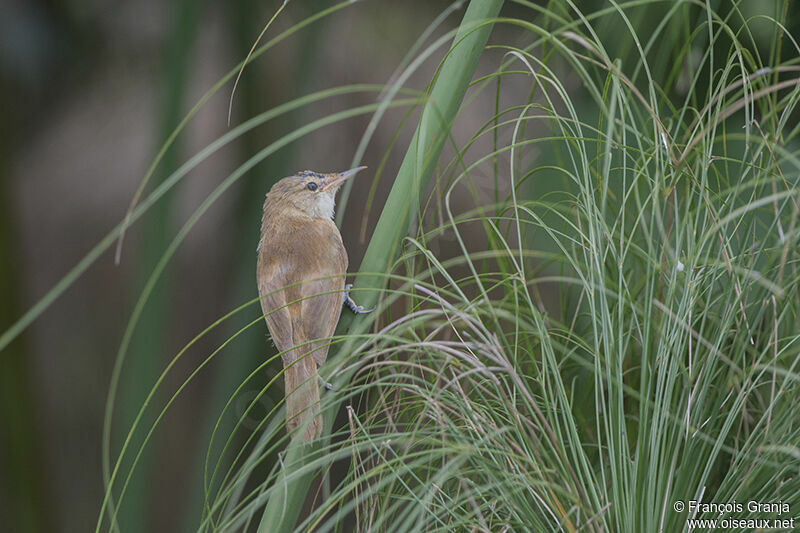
[(340, 178)]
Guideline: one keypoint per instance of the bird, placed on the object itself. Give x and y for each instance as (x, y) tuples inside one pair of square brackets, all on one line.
[(301, 268)]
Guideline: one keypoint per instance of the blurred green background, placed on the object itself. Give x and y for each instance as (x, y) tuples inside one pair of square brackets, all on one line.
[(90, 91)]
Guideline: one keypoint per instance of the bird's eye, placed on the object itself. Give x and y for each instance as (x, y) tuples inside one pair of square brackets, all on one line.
[(311, 186)]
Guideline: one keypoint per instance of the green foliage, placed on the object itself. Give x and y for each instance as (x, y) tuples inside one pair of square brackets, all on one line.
[(611, 327), (626, 339)]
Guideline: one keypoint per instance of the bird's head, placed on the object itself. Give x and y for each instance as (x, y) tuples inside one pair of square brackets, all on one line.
[(308, 193)]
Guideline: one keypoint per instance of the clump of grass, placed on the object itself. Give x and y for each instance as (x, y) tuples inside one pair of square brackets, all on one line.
[(663, 365), (628, 338)]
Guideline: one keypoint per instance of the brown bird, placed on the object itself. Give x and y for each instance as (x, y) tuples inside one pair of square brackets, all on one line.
[(301, 252)]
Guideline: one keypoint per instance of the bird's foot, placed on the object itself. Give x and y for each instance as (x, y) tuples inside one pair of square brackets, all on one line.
[(350, 303), (325, 383)]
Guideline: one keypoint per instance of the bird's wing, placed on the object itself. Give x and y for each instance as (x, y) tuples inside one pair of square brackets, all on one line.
[(309, 263), (329, 268), (273, 302)]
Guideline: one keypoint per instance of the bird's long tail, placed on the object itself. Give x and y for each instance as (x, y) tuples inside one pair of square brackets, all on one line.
[(302, 398)]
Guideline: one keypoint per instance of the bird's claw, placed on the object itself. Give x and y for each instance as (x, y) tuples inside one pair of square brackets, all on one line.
[(351, 304), (325, 383)]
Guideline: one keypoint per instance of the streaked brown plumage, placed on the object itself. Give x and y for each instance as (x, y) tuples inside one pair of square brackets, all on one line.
[(301, 252)]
